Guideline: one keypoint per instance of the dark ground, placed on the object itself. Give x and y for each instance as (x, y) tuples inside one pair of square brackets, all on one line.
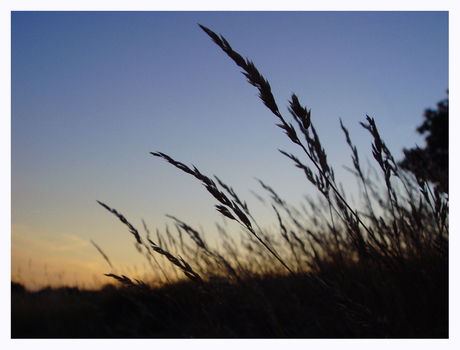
[(278, 307)]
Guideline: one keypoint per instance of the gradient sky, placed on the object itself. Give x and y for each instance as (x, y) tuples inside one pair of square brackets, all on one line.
[(92, 93)]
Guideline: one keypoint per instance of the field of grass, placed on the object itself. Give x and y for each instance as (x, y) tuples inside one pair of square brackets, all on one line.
[(330, 270)]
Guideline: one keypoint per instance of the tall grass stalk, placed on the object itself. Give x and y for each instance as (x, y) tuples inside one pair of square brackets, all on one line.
[(335, 271)]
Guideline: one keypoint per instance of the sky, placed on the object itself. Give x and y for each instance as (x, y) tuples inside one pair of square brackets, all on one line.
[(93, 93)]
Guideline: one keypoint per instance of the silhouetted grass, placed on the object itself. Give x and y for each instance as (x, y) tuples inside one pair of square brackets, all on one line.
[(332, 271)]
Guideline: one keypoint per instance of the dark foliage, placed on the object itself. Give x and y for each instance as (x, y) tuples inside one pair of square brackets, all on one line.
[(432, 162), (260, 307)]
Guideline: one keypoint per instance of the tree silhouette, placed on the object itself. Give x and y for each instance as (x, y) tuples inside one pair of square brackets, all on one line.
[(432, 163)]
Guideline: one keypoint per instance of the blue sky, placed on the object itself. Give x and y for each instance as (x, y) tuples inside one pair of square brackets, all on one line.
[(92, 93)]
